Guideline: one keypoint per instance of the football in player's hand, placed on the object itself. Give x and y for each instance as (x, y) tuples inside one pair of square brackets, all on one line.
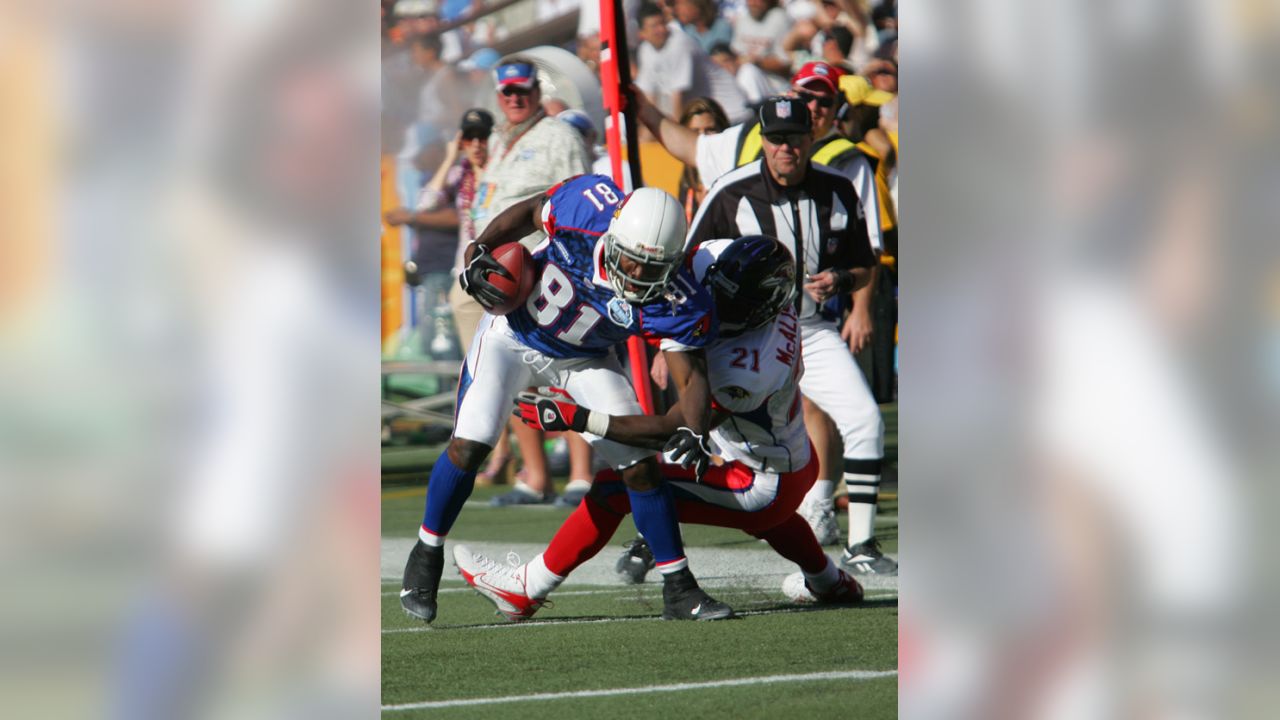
[(517, 260)]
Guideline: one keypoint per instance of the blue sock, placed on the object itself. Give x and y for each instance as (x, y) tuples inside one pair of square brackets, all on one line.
[(160, 644), (654, 512), (448, 488)]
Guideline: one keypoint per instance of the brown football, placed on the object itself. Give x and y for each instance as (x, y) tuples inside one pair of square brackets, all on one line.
[(517, 260)]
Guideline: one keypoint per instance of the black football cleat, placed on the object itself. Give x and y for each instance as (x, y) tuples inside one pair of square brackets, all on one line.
[(865, 558), (682, 599), (422, 581)]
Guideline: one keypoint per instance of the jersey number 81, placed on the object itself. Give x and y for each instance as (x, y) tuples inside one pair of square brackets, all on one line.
[(555, 296)]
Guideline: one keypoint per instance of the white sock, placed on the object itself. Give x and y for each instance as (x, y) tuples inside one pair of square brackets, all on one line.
[(578, 484), (824, 580), (862, 505), (820, 491), (539, 581), (674, 566), (430, 539), (522, 487)]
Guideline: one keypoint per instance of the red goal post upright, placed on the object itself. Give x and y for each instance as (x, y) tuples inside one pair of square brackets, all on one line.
[(615, 85)]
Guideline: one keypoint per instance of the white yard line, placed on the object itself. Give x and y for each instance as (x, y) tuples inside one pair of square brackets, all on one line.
[(623, 590), (761, 680), (597, 621), (602, 591), (714, 566)]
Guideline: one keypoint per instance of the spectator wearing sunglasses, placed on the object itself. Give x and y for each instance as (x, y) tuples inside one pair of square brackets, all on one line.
[(528, 153), (818, 84)]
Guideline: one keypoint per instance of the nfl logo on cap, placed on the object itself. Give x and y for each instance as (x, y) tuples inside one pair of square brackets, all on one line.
[(783, 109)]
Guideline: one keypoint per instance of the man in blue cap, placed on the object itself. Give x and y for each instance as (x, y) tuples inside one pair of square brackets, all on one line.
[(528, 153)]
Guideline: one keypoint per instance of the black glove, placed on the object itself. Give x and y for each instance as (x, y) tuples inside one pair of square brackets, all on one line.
[(475, 278), (690, 449)]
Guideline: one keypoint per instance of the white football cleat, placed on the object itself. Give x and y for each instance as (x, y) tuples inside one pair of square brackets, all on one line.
[(821, 516), (846, 592), (502, 585)]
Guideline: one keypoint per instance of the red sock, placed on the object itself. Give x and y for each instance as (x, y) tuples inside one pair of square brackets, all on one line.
[(585, 533), (793, 539)]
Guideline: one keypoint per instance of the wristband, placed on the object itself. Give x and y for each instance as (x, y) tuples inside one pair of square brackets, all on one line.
[(844, 281), (597, 423)]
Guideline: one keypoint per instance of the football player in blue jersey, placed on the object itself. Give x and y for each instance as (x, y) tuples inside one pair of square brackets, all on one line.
[(612, 266)]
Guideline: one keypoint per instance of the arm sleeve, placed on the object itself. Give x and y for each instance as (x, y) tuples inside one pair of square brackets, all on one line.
[(686, 333), (716, 154), (667, 344), (855, 246), (565, 206), (865, 185), (430, 199)]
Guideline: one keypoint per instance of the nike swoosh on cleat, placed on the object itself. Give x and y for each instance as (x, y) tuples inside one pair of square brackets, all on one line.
[(509, 597), (696, 609), (405, 592)]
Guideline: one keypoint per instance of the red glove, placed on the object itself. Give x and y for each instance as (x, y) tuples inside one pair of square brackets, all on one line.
[(550, 409)]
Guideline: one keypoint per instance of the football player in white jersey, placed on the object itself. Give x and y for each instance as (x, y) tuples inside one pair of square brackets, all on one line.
[(754, 369)]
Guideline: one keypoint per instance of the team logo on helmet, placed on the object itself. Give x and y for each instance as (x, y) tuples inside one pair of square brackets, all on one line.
[(619, 312)]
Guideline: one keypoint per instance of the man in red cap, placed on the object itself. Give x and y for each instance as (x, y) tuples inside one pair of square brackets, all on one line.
[(818, 83)]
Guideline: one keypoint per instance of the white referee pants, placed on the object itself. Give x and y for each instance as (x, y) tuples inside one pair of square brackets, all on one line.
[(833, 381)]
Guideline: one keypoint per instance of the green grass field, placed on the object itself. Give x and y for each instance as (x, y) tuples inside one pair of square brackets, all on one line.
[(600, 649)]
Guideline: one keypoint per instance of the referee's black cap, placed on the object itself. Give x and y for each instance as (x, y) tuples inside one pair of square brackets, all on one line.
[(784, 115)]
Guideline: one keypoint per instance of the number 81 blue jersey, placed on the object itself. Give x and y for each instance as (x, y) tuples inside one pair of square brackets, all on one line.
[(573, 311)]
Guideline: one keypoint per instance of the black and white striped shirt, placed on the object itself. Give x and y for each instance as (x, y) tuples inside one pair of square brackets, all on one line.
[(820, 220)]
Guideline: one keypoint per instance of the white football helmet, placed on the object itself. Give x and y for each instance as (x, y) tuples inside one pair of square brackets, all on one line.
[(648, 229)]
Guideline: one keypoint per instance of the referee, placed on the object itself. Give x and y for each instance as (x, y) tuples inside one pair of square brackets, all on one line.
[(816, 213)]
